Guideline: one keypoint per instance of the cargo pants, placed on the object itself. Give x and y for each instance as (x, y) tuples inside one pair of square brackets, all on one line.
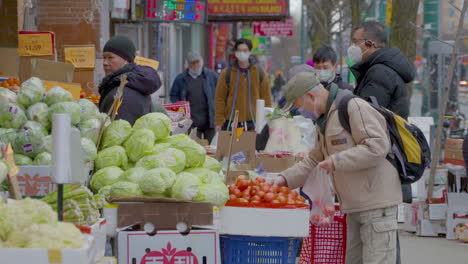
[(372, 236)]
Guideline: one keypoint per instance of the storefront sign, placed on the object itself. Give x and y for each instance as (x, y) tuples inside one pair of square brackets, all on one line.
[(252, 10), (81, 56), (186, 11), (274, 28), (147, 62), (31, 43), (258, 43)]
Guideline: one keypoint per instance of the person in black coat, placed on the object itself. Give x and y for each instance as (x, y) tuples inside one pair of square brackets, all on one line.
[(326, 65), (119, 54)]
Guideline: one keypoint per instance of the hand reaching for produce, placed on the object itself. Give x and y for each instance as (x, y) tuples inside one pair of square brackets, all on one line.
[(280, 181), (327, 165)]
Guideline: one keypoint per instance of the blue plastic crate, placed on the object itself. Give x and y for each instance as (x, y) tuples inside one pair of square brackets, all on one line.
[(259, 250)]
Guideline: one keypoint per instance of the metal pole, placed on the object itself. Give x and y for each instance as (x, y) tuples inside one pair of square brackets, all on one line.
[(60, 202), (302, 33)]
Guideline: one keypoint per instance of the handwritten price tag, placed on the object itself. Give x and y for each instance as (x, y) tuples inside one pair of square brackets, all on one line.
[(35, 44), (81, 56)]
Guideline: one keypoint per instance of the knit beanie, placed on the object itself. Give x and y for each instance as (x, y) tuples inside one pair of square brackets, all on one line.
[(121, 46)]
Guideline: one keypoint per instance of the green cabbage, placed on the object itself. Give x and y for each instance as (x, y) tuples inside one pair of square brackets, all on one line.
[(159, 123), (43, 159), (88, 110), (48, 143), (58, 95), (186, 186), (139, 144), (159, 148), (20, 214), (214, 193), (105, 191), (206, 175), (3, 170), (133, 175), (105, 177), (157, 181), (194, 153), (89, 150), (173, 159), (116, 133), (22, 160), (90, 129), (34, 127), (31, 92), (113, 156), (7, 135), (125, 189), (71, 108), (212, 164), (39, 112), (29, 143), (7, 96), (11, 116)]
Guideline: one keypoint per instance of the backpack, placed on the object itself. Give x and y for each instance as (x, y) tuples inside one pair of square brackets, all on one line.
[(410, 153), (228, 74)]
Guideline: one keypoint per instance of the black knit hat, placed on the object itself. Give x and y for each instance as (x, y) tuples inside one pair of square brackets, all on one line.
[(121, 46)]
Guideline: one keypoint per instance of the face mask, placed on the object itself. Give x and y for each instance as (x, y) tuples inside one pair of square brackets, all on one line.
[(242, 56), (355, 53), (326, 76), (308, 114), (196, 72)]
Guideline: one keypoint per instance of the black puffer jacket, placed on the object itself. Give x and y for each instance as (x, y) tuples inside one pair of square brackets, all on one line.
[(142, 82), (384, 75)]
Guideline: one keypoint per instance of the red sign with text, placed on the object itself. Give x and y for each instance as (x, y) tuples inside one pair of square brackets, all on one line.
[(248, 8), (273, 28)]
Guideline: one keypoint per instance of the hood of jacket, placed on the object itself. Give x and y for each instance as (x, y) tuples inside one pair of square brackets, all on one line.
[(252, 62), (390, 57)]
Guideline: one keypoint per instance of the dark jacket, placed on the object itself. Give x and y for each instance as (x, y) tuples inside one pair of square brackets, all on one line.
[(384, 75), (342, 84), (179, 89), (465, 153), (142, 82)]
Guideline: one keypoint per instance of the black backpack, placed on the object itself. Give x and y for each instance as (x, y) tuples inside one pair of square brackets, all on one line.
[(410, 154)]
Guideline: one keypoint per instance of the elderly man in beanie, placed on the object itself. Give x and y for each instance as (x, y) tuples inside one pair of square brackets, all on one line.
[(366, 183), (119, 53), (197, 85)]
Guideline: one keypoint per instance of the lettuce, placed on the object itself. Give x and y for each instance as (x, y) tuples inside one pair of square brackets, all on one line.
[(194, 153), (31, 92), (212, 164), (7, 96), (58, 95), (113, 156), (171, 158), (186, 186), (206, 175), (159, 123), (43, 159), (90, 129), (157, 181), (29, 143), (22, 160), (125, 189), (105, 177), (71, 108), (88, 110), (116, 133), (11, 116), (39, 112), (133, 175), (139, 144), (89, 150), (214, 193)]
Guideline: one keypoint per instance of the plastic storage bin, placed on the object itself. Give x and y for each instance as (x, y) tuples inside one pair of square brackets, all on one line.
[(259, 250)]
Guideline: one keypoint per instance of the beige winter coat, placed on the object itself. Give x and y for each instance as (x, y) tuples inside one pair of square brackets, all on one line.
[(363, 178)]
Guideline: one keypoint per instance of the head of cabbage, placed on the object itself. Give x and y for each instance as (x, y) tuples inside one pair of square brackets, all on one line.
[(11, 116), (159, 123), (125, 189), (39, 112), (31, 92), (157, 181), (186, 186), (212, 164), (113, 156), (159, 148), (29, 143), (89, 150), (43, 159), (34, 126), (116, 133), (71, 108), (22, 160), (7, 96), (171, 158), (7, 135), (58, 95), (214, 193), (90, 129), (195, 154), (206, 176), (139, 144), (88, 110), (3, 170), (104, 177), (133, 175)]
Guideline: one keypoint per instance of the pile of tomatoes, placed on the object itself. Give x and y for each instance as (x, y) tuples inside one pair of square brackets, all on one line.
[(259, 191)]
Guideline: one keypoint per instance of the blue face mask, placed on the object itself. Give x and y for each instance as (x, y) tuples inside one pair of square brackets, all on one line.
[(307, 114)]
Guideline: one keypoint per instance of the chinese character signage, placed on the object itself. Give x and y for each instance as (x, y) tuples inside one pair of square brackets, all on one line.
[(274, 28), (252, 10), (186, 11)]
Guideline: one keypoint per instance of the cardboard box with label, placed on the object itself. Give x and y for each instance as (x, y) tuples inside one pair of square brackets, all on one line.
[(411, 216), (457, 212), (199, 246), (35, 181), (430, 228), (453, 152)]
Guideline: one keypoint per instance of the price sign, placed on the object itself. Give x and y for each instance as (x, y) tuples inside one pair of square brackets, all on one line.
[(81, 56), (147, 62), (35, 43)]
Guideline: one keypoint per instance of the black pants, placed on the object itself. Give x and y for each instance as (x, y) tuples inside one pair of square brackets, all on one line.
[(248, 126)]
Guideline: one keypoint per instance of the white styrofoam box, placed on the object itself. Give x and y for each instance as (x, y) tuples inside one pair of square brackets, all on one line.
[(199, 246), (431, 228), (264, 221), (401, 213), (438, 191), (457, 210), (440, 176), (35, 180), (45, 256), (98, 232), (411, 216), (437, 211), (110, 213)]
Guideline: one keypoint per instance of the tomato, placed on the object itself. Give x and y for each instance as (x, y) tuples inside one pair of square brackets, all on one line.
[(256, 187), (255, 202), (325, 222), (260, 179), (329, 210), (300, 202), (315, 219), (242, 200), (269, 197), (256, 198), (232, 197), (261, 194), (242, 184), (275, 202), (294, 194), (253, 192), (254, 182), (232, 187), (237, 192), (282, 199), (291, 201), (284, 190), (242, 177)]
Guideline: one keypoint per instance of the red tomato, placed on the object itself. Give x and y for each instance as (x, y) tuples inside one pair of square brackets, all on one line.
[(255, 202), (260, 179), (274, 189), (275, 202), (242, 184), (329, 210), (242, 200), (261, 194), (284, 190), (242, 177), (291, 201), (256, 187), (254, 182), (253, 192), (315, 219), (294, 194), (300, 202), (236, 192), (282, 199), (269, 197), (232, 197), (256, 198), (232, 187)]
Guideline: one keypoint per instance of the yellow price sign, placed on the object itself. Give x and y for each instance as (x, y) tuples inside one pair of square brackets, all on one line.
[(147, 62), (35, 44), (81, 56)]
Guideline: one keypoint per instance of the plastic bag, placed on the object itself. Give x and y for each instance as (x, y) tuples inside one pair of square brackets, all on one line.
[(318, 189), (285, 136)]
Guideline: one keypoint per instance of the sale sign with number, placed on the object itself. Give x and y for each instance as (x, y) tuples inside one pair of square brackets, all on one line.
[(34, 43), (81, 56)]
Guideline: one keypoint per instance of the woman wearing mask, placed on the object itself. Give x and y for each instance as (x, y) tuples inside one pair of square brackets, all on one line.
[(239, 87), (119, 54)]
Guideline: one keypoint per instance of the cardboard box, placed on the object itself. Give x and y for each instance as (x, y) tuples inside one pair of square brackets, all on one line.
[(10, 62), (52, 71), (440, 175), (411, 216), (85, 77), (199, 246), (274, 164), (457, 212), (264, 221), (429, 228), (454, 143), (453, 152), (439, 192), (437, 211), (98, 232), (245, 144), (163, 213), (35, 181)]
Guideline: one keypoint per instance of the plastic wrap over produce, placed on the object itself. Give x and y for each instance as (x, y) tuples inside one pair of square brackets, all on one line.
[(295, 135)]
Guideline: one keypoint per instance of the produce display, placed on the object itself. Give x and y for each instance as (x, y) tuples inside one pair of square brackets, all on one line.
[(259, 191), (144, 160), (11, 84), (80, 206), (33, 223)]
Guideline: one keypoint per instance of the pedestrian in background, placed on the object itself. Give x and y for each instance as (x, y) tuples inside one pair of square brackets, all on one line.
[(278, 83), (197, 84), (326, 66)]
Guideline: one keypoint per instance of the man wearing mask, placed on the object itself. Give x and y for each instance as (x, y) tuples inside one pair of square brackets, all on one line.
[(239, 87), (197, 85), (366, 183), (325, 61)]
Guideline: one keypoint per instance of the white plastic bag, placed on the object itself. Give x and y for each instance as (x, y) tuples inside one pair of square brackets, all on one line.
[(285, 136)]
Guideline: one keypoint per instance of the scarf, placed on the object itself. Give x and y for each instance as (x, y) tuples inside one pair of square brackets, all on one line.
[(322, 120)]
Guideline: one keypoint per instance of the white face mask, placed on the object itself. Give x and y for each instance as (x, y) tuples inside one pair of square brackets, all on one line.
[(326, 76), (196, 71), (242, 56), (355, 53)]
